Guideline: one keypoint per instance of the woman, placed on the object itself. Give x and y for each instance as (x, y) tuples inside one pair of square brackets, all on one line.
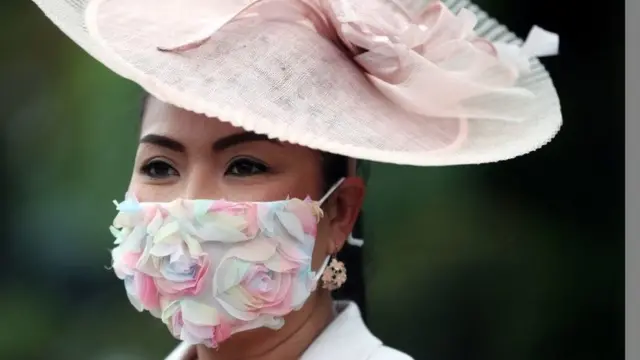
[(244, 194)]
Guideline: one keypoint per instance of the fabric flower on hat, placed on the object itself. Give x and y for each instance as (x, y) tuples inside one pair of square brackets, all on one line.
[(429, 62)]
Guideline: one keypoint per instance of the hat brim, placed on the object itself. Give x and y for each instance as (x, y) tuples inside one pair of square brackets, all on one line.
[(290, 83)]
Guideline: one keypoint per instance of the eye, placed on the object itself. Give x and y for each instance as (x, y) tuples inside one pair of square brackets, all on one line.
[(245, 167), (159, 169)]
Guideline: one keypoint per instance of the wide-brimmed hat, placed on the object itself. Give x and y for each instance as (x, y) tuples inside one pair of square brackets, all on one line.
[(401, 81)]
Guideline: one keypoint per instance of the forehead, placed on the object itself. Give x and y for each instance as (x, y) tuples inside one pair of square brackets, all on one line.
[(165, 119)]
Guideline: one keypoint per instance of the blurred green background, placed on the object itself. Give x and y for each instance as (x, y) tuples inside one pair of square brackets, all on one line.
[(516, 260)]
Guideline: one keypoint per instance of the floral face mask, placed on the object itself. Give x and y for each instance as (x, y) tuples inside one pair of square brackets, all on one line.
[(213, 268)]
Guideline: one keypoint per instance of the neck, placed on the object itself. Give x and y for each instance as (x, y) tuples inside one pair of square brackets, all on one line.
[(290, 342)]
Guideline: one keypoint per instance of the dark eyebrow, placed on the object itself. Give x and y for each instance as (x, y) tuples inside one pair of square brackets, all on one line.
[(220, 145), (237, 139), (162, 141)]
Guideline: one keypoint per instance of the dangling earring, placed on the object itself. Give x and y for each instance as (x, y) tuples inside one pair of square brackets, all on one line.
[(334, 276)]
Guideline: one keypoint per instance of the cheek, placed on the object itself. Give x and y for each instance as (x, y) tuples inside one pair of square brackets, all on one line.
[(154, 193), (275, 187)]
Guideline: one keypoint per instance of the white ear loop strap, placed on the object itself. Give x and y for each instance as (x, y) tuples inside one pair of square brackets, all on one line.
[(350, 240), (354, 241), (322, 200), (331, 191), (322, 269)]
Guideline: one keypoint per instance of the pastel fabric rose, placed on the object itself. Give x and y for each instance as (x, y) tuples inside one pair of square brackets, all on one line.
[(152, 256), (196, 323), (143, 293), (308, 219), (210, 268), (124, 262), (141, 288), (245, 211), (181, 275), (261, 278)]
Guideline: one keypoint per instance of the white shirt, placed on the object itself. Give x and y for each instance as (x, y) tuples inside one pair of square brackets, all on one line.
[(346, 338)]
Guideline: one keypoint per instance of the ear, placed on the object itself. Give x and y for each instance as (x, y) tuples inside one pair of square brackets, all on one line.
[(342, 210)]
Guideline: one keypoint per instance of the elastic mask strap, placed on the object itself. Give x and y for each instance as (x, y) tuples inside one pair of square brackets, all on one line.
[(331, 190), (354, 242), (326, 260), (322, 268), (350, 240)]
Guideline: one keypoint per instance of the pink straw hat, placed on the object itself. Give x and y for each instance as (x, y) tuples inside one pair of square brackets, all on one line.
[(398, 81)]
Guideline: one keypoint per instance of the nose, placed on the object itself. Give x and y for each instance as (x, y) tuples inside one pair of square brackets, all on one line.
[(202, 183)]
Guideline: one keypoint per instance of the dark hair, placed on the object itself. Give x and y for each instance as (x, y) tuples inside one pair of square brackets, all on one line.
[(336, 167)]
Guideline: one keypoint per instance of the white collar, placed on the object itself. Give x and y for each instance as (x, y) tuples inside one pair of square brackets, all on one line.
[(347, 337)]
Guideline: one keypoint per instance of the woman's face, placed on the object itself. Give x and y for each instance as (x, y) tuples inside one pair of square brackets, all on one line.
[(186, 155)]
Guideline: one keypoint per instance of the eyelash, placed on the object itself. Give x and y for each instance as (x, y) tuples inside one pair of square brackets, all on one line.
[(256, 168), (149, 167)]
